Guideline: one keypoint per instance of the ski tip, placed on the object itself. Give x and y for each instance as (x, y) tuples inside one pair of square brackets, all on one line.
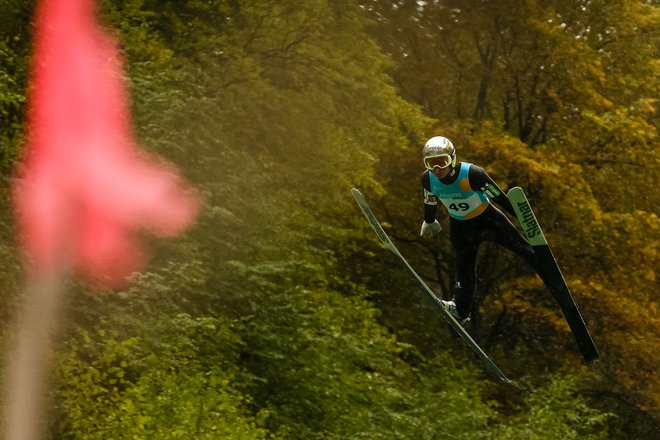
[(514, 190), (358, 196)]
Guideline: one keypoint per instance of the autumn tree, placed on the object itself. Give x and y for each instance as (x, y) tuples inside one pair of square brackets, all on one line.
[(278, 315)]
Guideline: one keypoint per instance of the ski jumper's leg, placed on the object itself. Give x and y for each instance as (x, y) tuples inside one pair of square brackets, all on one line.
[(504, 233), (465, 244)]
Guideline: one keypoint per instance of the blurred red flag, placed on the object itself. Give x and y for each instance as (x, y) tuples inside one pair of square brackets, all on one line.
[(84, 190)]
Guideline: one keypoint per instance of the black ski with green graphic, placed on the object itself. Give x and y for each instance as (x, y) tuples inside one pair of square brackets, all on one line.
[(389, 245), (557, 284)]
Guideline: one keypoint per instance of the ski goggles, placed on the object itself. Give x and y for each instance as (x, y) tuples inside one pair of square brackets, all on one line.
[(442, 161)]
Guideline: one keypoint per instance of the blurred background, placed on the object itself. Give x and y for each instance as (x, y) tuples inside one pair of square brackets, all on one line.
[(278, 315)]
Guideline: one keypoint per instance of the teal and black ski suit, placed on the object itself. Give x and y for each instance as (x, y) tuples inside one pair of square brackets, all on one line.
[(467, 193)]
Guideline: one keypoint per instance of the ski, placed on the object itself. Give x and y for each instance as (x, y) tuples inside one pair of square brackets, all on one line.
[(557, 284), (389, 245)]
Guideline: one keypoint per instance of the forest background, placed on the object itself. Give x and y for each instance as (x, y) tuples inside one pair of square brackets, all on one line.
[(278, 316)]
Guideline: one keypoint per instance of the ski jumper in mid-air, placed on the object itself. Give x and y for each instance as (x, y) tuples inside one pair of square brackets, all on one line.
[(467, 192)]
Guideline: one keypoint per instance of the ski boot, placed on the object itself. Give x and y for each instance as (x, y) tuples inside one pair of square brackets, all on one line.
[(450, 306)]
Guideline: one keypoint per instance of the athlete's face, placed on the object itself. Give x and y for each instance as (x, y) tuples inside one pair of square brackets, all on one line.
[(441, 172)]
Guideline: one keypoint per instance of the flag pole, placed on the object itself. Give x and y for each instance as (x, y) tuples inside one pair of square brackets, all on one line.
[(30, 358)]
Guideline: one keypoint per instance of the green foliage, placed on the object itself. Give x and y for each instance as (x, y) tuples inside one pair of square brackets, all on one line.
[(278, 315), (556, 412), (329, 371), (14, 49), (177, 380)]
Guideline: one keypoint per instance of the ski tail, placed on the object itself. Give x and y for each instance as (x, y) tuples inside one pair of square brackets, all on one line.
[(552, 274)]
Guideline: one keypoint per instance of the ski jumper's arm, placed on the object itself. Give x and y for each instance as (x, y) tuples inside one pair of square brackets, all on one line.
[(430, 200), (480, 180)]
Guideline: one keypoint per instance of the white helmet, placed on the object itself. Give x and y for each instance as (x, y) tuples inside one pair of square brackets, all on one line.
[(439, 152)]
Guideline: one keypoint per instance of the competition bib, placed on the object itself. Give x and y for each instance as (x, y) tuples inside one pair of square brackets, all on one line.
[(461, 201)]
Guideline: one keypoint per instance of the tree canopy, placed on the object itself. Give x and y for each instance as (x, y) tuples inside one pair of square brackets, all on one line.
[(278, 316)]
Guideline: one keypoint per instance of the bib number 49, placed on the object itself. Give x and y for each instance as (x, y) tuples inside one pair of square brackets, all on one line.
[(459, 206)]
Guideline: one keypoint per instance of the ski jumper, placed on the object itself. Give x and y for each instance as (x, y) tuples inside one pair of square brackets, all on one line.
[(468, 192)]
